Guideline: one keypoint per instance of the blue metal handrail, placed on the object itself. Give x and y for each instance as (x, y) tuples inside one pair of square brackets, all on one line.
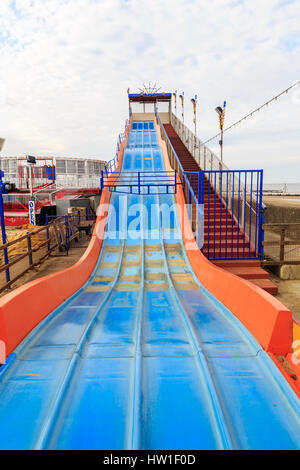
[(239, 195), (185, 179), (164, 181)]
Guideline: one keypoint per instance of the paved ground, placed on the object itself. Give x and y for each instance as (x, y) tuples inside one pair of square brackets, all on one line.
[(288, 294)]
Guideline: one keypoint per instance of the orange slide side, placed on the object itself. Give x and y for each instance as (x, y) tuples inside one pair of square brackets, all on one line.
[(265, 317), (25, 307)]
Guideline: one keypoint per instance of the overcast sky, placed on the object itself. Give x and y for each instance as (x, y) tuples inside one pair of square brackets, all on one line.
[(66, 65)]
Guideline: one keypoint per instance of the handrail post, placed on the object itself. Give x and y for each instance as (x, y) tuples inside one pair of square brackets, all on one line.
[(7, 274), (67, 234), (261, 219), (47, 232), (282, 237), (29, 248)]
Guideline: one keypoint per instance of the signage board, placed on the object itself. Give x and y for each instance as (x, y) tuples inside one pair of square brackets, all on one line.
[(31, 206)]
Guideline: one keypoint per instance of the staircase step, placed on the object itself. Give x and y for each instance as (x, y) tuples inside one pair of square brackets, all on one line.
[(225, 264), (248, 272), (234, 243), (266, 285), (217, 214), (229, 235), (227, 253), (216, 227)]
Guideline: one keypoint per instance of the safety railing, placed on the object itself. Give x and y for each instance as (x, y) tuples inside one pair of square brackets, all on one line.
[(233, 212), (36, 246), (206, 159), (195, 204), (111, 164), (15, 202), (141, 182)]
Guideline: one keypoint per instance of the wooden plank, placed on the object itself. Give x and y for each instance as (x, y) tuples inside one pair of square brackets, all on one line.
[(279, 263), (286, 226), (278, 243), (57, 236), (23, 237), (282, 235)]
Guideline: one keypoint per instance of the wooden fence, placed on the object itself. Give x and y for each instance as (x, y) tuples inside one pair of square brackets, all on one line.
[(281, 244), (37, 245)]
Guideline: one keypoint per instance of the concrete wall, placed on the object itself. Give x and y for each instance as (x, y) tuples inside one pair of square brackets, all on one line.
[(276, 213)]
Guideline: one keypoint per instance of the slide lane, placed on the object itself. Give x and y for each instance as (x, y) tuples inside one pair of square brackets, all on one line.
[(143, 356)]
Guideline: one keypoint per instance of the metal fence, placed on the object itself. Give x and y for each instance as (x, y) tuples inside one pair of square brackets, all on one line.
[(233, 212), (69, 172)]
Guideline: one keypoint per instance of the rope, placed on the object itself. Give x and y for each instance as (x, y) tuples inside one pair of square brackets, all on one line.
[(254, 111)]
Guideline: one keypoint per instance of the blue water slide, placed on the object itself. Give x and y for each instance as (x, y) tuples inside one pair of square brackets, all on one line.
[(143, 356)]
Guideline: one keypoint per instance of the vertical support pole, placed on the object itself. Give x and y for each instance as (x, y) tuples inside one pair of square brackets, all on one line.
[(232, 212), (230, 190), (139, 183), (226, 238), (240, 201), (282, 237), (250, 212), (220, 180), (261, 220), (3, 231), (215, 200), (175, 174), (221, 143), (67, 234), (245, 213), (30, 180), (29, 248), (47, 232)]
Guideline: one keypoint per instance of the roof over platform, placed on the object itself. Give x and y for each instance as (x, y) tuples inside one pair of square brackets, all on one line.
[(149, 97)]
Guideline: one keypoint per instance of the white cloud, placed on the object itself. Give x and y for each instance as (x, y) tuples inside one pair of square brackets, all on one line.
[(66, 64)]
